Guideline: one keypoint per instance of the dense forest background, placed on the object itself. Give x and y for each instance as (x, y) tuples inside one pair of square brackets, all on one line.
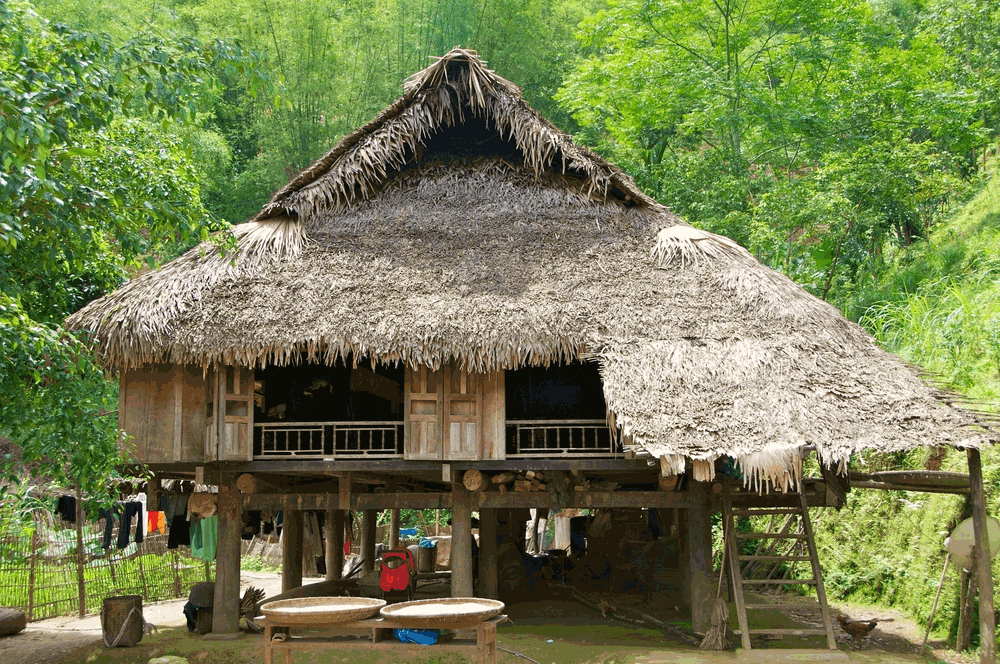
[(849, 145)]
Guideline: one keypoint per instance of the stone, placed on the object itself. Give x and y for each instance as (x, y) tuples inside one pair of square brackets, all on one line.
[(12, 621)]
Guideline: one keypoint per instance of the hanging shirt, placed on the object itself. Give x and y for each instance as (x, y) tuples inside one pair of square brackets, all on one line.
[(205, 538)]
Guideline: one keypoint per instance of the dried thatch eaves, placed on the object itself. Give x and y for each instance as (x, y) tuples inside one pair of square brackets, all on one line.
[(459, 225)]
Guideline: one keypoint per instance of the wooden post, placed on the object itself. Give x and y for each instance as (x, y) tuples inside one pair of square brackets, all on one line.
[(393, 529), (291, 550), (153, 494), (488, 578), (369, 519), (82, 587), (461, 542), (561, 532), (966, 600), (699, 557), (987, 620), (226, 608), (334, 544)]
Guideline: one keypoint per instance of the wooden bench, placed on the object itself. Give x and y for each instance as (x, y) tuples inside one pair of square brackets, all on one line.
[(377, 634)]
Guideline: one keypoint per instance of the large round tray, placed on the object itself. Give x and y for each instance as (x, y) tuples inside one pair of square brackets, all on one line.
[(321, 610), (445, 613)]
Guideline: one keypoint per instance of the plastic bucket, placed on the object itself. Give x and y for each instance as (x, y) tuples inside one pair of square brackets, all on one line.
[(121, 620)]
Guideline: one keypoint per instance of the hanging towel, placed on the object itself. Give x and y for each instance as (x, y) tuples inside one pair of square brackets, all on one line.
[(205, 538)]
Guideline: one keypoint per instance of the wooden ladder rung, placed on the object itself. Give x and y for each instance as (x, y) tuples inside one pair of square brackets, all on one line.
[(784, 607), (792, 632), (770, 536), (783, 582), (766, 510), (776, 558)]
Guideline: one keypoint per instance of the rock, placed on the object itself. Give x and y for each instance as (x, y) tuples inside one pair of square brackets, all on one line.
[(168, 659), (12, 621)]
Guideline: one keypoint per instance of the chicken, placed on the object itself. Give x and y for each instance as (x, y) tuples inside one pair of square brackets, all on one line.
[(856, 628)]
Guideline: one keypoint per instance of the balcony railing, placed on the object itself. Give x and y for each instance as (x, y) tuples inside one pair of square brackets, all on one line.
[(328, 440), (556, 438)]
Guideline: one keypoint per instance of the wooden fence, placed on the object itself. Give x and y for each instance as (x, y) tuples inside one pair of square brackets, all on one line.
[(42, 574)]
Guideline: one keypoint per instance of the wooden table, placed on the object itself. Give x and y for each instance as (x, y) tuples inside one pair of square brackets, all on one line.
[(377, 634)]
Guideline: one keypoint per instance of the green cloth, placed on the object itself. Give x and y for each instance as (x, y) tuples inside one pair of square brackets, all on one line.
[(205, 538)]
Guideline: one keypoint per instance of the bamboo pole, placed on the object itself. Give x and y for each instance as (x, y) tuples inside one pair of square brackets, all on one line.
[(31, 571), (79, 552), (937, 596)]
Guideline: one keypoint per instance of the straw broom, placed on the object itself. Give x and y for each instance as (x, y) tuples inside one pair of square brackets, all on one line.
[(715, 637)]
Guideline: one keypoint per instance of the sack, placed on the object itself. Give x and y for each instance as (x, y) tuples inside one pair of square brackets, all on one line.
[(424, 637)]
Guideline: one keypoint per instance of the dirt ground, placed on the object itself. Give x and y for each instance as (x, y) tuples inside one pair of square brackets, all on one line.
[(554, 630)]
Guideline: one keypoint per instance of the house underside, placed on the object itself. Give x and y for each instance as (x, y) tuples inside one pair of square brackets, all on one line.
[(365, 437)]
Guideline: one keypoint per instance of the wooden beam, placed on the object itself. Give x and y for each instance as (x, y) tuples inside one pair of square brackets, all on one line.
[(461, 542), (226, 607), (987, 619), (699, 553), (487, 500), (291, 550)]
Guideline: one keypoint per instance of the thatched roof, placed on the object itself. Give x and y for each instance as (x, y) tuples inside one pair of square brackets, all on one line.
[(460, 225)]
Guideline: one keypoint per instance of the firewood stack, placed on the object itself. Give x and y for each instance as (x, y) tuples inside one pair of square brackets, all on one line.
[(529, 480)]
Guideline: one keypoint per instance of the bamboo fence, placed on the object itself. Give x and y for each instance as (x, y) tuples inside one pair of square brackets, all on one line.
[(42, 574)]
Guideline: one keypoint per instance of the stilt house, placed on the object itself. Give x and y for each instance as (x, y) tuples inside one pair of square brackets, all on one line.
[(457, 292)]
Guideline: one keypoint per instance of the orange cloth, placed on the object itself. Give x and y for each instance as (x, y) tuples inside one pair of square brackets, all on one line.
[(156, 521)]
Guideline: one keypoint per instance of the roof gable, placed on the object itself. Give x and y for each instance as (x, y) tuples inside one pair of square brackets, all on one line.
[(454, 100)]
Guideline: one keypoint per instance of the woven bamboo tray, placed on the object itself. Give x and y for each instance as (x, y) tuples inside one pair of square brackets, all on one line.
[(445, 613), (321, 610)]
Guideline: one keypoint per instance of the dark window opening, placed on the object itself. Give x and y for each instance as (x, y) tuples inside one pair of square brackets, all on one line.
[(557, 410), (564, 392), (321, 394)]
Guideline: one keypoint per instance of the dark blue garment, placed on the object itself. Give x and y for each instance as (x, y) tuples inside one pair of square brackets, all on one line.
[(109, 524), (129, 510)]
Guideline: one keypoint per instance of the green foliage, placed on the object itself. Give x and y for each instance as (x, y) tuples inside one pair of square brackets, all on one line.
[(820, 135), (93, 179)]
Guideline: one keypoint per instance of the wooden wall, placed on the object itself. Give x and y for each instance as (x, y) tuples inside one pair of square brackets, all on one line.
[(161, 408)]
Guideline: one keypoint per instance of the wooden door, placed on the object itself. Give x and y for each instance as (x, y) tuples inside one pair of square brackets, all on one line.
[(423, 423), (235, 414), (463, 408), (450, 416)]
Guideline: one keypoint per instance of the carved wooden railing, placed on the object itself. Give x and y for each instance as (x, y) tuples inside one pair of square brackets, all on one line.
[(560, 438), (325, 440)]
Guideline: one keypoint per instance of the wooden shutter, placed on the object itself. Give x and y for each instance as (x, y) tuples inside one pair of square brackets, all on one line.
[(423, 422), (463, 407), (454, 415), (494, 416), (146, 412), (235, 414)]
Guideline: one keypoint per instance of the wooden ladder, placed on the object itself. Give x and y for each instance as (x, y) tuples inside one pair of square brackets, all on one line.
[(729, 514)]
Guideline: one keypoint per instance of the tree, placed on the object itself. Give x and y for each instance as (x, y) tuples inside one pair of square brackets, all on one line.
[(92, 180)]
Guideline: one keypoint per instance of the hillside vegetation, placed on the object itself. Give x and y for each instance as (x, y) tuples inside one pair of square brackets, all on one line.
[(937, 306)]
